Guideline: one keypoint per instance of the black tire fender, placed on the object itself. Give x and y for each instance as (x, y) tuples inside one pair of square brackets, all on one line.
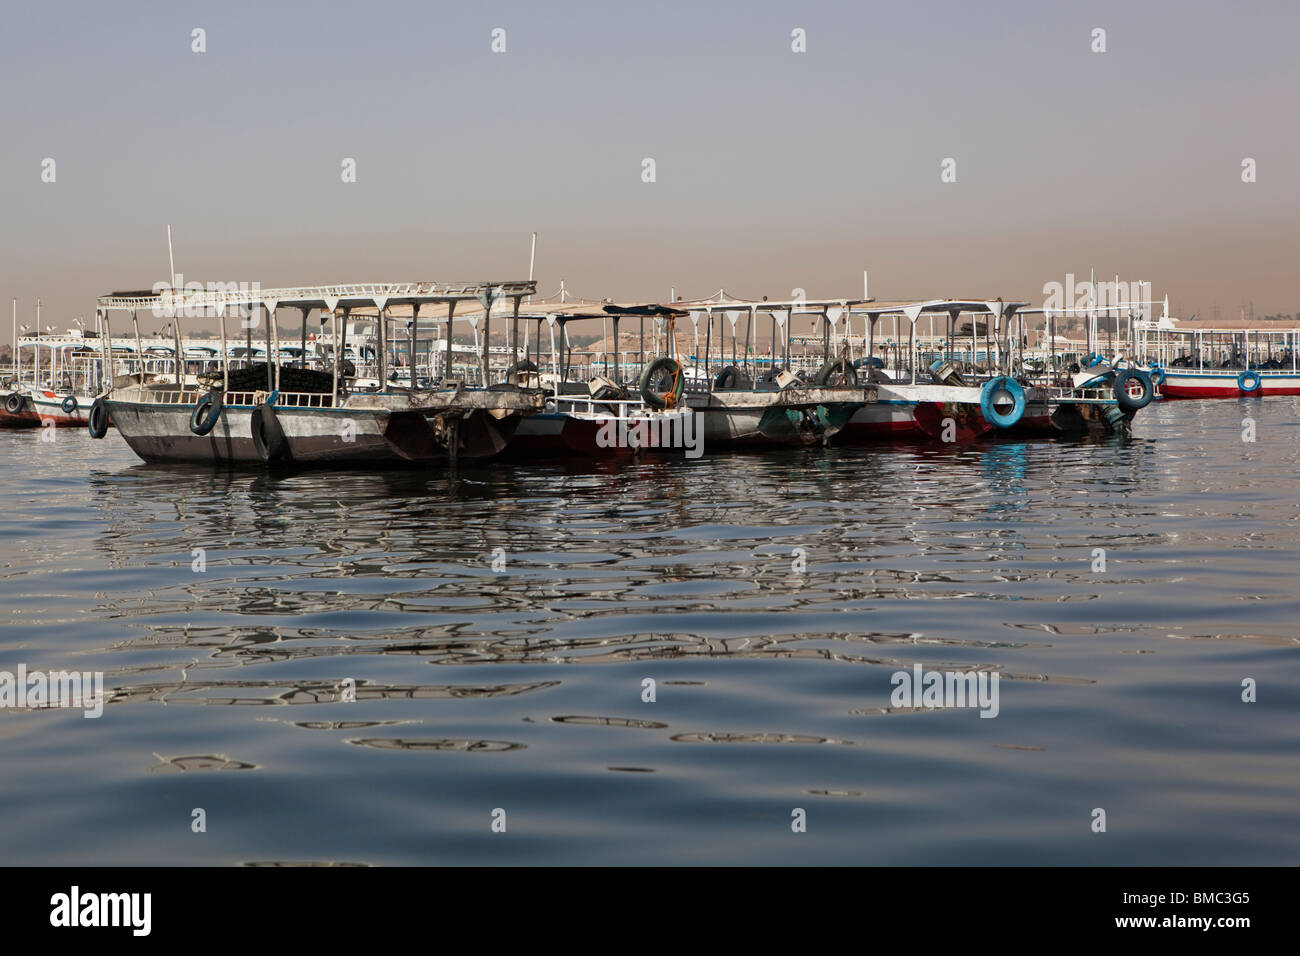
[(268, 437), (843, 366), (97, 420), (207, 411), (657, 399)]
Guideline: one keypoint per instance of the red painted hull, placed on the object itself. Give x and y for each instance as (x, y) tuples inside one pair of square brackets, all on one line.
[(1200, 384), (22, 419), (968, 423), (1198, 391)]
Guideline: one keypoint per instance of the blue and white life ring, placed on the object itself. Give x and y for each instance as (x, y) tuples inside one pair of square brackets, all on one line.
[(1005, 388), (1248, 381)]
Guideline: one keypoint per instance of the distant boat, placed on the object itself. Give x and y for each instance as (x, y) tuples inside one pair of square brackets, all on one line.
[(1226, 363)]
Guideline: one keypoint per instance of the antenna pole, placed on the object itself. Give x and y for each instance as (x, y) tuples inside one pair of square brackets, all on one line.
[(532, 258), (172, 259)]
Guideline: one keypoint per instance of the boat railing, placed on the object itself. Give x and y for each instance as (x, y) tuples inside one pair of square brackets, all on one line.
[(163, 396), (628, 409), (1104, 395), (304, 400)]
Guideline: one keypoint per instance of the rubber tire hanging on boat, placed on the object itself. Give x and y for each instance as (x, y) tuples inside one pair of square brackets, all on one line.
[(69, 405), (1254, 378), (14, 403), (1008, 385), (268, 436), (660, 399), (1126, 401), (731, 377), (97, 420), (848, 373), (1157, 375), (206, 412)]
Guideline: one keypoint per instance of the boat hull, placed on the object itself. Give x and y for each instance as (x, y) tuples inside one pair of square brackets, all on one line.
[(49, 408), (25, 417), (920, 412), (369, 432), (391, 436), (159, 432), (556, 434), (1226, 384), (43, 408), (350, 436), (791, 417)]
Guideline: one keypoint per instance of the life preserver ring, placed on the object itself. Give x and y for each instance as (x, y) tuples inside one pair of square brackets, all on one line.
[(206, 412), (1248, 381), (1126, 401), (660, 399), (1002, 387), (1157, 375), (848, 373), (14, 403), (69, 405), (268, 437), (97, 420)]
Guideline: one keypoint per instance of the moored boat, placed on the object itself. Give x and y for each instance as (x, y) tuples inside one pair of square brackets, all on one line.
[(283, 411), (1220, 363)]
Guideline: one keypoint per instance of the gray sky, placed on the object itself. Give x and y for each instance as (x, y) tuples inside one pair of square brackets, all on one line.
[(774, 169)]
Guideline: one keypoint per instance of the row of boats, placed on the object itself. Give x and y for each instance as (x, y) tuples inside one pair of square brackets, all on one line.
[(383, 379)]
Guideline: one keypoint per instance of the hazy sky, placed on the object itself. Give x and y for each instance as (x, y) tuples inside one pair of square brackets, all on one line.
[(775, 169)]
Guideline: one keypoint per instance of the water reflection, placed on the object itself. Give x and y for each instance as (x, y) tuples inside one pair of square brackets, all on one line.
[(769, 597)]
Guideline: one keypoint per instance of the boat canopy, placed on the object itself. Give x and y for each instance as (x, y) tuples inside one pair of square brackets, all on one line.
[(351, 297)]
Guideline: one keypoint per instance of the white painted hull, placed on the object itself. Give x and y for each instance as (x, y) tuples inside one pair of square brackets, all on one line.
[(1227, 383)]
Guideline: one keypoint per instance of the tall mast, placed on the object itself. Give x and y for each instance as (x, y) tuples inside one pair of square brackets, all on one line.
[(171, 282), (532, 258)]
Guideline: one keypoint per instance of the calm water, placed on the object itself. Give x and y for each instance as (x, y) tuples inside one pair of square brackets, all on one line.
[(521, 689)]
